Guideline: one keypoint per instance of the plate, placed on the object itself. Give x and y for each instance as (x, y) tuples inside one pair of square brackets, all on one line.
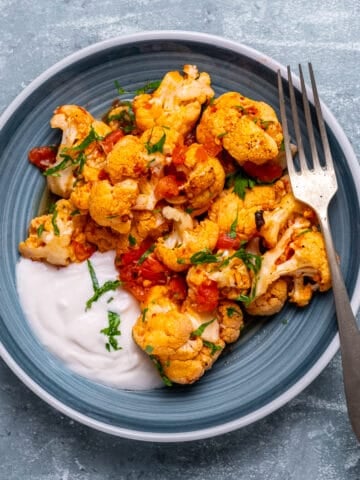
[(275, 359)]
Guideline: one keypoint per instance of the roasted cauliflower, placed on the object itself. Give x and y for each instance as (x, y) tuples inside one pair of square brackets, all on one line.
[(110, 205), (81, 134), (187, 237), (176, 103), (182, 343), (50, 236), (188, 191), (247, 129), (299, 255)]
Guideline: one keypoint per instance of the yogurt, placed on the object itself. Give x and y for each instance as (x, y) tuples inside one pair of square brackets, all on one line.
[(54, 302)]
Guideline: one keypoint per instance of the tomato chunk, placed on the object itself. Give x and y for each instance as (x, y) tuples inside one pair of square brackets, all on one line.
[(225, 242), (267, 173), (42, 157), (167, 187), (178, 288), (110, 140), (83, 251), (207, 296)]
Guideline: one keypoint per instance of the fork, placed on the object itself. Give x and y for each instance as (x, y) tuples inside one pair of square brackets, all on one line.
[(315, 184)]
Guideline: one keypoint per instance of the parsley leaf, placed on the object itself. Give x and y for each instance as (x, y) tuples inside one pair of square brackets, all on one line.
[(200, 330), (146, 254), (204, 256), (213, 348), (99, 290), (156, 147), (53, 210), (160, 369), (112, 330), (148, 87)]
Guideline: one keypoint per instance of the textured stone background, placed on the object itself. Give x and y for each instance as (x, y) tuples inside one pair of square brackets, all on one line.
[(309, 438)]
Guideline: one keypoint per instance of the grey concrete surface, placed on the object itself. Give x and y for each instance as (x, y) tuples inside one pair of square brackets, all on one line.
[(309, 438)]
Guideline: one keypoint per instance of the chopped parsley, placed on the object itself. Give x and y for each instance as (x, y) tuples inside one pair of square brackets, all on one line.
[(120, 90), (213, 348), (204, 256), (40, 230), (111, 331), (232, 233), (200, 330), (144, 312), (53, 210), (125, 117), (148, 87), (92, 137), (266, 123), (160, 369), (132, 240), (221, 135), (240, 182), (156, 147), (230, 311), (251, 260), (99, 290), (146, 254), (75, 212), (149, 349)]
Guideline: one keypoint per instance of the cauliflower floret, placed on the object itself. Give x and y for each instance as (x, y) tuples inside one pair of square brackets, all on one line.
[(148, 224), (185, 240), (50, 236), (278, 219), (110, 205), (229, 273), (182, 343), (272, 301), (205, 177), (249, 130), (176, 103), (231, 212), (300, 253), (127, 159), (80, 134), (231, 320)]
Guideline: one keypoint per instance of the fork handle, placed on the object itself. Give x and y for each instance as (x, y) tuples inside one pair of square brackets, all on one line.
[(348, 331)]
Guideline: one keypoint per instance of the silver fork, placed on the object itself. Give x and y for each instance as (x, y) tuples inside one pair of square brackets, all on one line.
[(316, 185)]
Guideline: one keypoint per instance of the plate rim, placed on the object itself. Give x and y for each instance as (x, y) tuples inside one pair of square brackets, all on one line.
[(322, 362)]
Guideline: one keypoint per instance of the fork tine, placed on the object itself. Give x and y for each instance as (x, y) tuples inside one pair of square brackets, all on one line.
[(309, 124), (284, 123), (324, 138), (295, 117)]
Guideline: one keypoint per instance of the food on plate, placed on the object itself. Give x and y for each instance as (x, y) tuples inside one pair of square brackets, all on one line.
[(190, 194)]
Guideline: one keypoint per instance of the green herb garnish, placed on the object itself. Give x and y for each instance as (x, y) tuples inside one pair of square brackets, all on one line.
[(266, 123), (204, 256), (75, 212), (230, 311), (221, 135), (120, 90), (160, 369), (251, 260), (156, 147), (232, 233), (149, 349), (112, 330), (146, 254), (92, 137), (99, 290), (144, 314), (132, 240), (213, 348), (200, 330), (53, 210), (148, 87), (40, 230), (125, 117)]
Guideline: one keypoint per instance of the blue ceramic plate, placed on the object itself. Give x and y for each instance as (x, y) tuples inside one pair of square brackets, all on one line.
[(274, 360)]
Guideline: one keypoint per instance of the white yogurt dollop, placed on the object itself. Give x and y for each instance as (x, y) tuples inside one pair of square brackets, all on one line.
[(54, 301)]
